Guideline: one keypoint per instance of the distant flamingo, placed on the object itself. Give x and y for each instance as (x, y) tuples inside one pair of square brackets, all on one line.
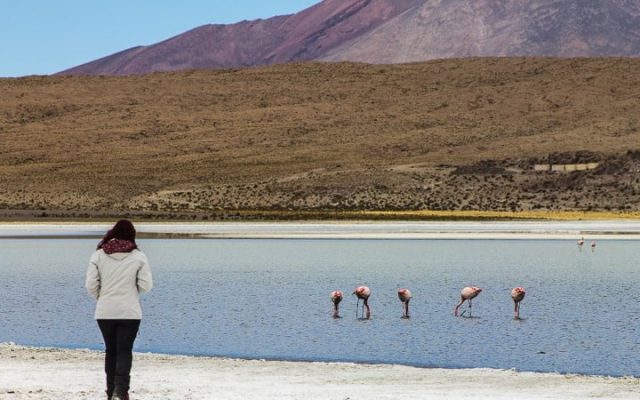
[(593, 246), (363, 293), (336, 298), (580, 243), (517, 294), (468, 293), (405, 296)]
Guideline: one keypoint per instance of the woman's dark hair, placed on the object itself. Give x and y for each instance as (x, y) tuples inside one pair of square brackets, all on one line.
[(122, 230)]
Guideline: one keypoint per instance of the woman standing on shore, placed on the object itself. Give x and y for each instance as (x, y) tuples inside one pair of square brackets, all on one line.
[(118, 273)]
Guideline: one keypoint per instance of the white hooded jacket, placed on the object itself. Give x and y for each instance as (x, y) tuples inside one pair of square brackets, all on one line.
[(116, 281)]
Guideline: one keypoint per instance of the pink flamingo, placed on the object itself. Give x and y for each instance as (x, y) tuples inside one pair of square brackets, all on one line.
[(517, 294), (336, 298), (593, 246), (468, 293), (580, 243), (405, 296), (363, 293)]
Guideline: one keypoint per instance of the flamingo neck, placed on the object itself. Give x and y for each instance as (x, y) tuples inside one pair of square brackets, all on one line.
[(455, 311), (365, 301)]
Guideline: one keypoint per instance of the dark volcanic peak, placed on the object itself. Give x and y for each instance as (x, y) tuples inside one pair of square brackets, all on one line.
[(394, 31)]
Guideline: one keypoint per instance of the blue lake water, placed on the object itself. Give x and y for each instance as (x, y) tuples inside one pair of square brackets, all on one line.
[(264, 298)]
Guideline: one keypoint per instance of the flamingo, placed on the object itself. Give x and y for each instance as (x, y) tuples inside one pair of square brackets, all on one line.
[(517, 294), (580, 243), (363, 293), (336, 298), (468, 293), (405, 296), (593, 246)]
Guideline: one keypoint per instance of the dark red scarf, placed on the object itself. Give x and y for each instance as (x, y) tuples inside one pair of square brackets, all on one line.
[(118, 246)]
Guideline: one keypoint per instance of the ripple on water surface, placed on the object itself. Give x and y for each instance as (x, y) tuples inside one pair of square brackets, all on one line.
[(270, 299)]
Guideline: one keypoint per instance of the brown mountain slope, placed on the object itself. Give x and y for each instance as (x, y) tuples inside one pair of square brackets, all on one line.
[(302, 36), (449, 29), (394, 31), (451, 134)]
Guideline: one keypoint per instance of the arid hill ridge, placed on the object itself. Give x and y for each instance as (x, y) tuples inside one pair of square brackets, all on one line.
[(442, 135), (391, 32)]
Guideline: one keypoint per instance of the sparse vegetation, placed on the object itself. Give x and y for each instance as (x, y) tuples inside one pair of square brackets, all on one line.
[(325, 141)]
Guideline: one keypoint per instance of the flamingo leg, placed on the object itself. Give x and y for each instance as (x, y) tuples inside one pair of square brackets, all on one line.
[(470, 305), (405, 309), (357, 307)]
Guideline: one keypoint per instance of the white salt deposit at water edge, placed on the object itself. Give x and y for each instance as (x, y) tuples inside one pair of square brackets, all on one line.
[(40, 373), (618, 229)]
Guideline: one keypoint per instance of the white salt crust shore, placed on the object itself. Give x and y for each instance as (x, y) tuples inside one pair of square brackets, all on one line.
[(568, 230), (45, 373)]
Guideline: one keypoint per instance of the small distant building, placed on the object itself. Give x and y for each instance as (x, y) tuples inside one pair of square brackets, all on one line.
[(542, 167), (565, 167), (582, 167)]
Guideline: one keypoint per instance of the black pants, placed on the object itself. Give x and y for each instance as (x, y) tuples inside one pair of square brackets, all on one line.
[(119, 335)]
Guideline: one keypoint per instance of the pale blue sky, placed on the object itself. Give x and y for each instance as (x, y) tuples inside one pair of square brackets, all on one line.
[(40, 37)]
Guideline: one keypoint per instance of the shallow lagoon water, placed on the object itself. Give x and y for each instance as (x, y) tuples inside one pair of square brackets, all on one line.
[(266, 298)]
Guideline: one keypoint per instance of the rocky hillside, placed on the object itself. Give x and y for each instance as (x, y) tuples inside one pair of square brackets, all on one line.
[(303, 36), (394, 31), (449, 29)]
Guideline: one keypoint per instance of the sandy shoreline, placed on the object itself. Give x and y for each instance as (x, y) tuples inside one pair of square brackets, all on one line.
[(44, 373)]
